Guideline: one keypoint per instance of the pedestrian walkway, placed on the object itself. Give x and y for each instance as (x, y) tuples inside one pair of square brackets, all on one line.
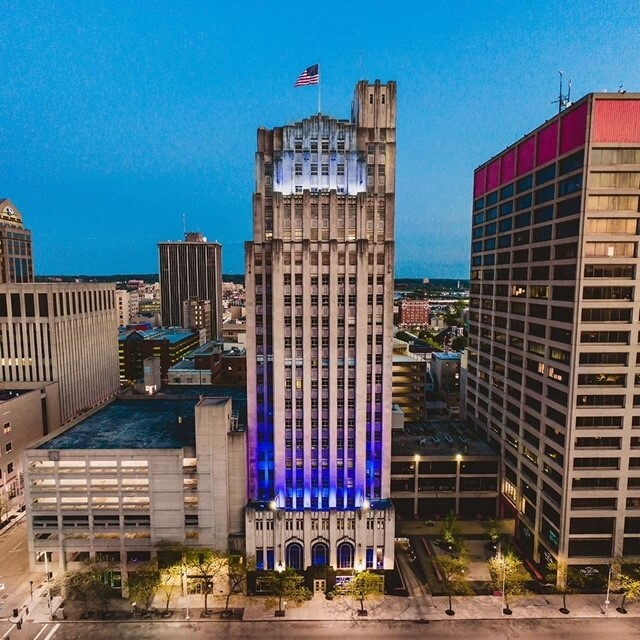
[(387, 608)]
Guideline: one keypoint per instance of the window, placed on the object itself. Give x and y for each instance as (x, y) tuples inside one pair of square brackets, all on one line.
[(614, 226), (345, 556), (8, 447)]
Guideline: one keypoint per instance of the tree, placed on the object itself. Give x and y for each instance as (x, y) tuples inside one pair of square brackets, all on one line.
[(451, 532), (4, 508), (205, 565), (459, 343), (144, 583), (508, 576), (492, 526), (453, 579), (288, 586), (238, 568), (86, 585), (363, 586), (168, 578), (629, 586), (567, 580)]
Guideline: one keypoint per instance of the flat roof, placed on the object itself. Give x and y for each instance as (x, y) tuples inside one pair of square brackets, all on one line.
[(10, 394), (164, 421), (439, 438)]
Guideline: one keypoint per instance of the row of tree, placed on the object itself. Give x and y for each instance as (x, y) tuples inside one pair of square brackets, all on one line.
[(210, 571), (509, 577)]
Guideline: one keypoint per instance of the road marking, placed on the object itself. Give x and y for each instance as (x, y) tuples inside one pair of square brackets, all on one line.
[(51, 633), (41, 631)]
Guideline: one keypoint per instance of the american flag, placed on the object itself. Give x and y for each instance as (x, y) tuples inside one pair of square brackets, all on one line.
[(311, 75)]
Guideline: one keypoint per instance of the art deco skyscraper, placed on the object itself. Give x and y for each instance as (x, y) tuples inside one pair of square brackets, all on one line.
[(319, 278), (16, 254), (554, 330), (188, 270)]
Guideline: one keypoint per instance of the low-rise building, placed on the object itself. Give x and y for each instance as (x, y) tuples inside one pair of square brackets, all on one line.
[(443, 466), (171, 345), (137, 473), (29, 411)]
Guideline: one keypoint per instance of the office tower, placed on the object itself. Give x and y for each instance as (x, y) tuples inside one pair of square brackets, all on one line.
[(319, 278), (191, 269), (127, 305), (553, 330), (16, 253), (64, 333)]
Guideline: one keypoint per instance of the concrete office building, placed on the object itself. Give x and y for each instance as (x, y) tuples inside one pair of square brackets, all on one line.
[(16, 252), (138, 473), (191, 269), (29, 411), (319, 279), (128, 306), (554, 330), (63, 333)]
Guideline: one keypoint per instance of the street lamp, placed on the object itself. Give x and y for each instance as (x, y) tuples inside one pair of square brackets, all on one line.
[(185, 588), (46, 568), (607, 602)]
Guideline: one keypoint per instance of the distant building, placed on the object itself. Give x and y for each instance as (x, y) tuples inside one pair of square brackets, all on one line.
[(191, 269), (196, 315), (16, 252), (127, 305), (445, 370), (170, 345), (64, 333), (411, 380), (111, 488), (212, 363), (415, 312)]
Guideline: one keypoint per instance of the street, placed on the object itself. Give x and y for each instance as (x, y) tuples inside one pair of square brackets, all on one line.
[(530, 629), (14, 570)]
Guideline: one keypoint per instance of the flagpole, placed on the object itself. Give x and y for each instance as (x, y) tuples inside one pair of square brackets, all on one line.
[(319, 92)]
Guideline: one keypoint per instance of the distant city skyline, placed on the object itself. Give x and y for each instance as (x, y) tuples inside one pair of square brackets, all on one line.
[(120, 119)]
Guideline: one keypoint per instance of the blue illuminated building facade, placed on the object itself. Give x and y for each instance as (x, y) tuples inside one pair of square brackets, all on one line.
[(319, 277)]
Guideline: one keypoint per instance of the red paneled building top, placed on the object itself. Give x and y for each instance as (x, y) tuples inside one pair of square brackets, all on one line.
[(616, 119)]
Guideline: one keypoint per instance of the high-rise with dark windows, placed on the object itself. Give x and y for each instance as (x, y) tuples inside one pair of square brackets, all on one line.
[(319, 278), (191, 271), (554, 324), (16, 253)]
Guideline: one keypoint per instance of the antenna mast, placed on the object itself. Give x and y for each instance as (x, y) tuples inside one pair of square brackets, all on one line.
[(564, 100)]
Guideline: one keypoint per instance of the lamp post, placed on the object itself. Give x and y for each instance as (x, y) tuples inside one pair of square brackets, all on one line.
[(46, 568), (185, 588), (607, 602)]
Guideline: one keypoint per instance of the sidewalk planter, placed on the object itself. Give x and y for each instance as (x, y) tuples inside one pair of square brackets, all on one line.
[(362, 612), (279, 613)]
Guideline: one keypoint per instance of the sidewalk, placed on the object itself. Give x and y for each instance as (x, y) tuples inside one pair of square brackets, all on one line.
[(384, 609), (14, 516)]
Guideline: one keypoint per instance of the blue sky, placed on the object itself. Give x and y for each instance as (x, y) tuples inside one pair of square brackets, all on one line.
[(118, 117)]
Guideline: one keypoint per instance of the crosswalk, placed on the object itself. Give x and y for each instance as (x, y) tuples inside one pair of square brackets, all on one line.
[(51, 628)]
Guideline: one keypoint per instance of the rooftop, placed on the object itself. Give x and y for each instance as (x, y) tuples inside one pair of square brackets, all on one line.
[(172, 334), (439, 438), (10, 394), (165, 421)]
